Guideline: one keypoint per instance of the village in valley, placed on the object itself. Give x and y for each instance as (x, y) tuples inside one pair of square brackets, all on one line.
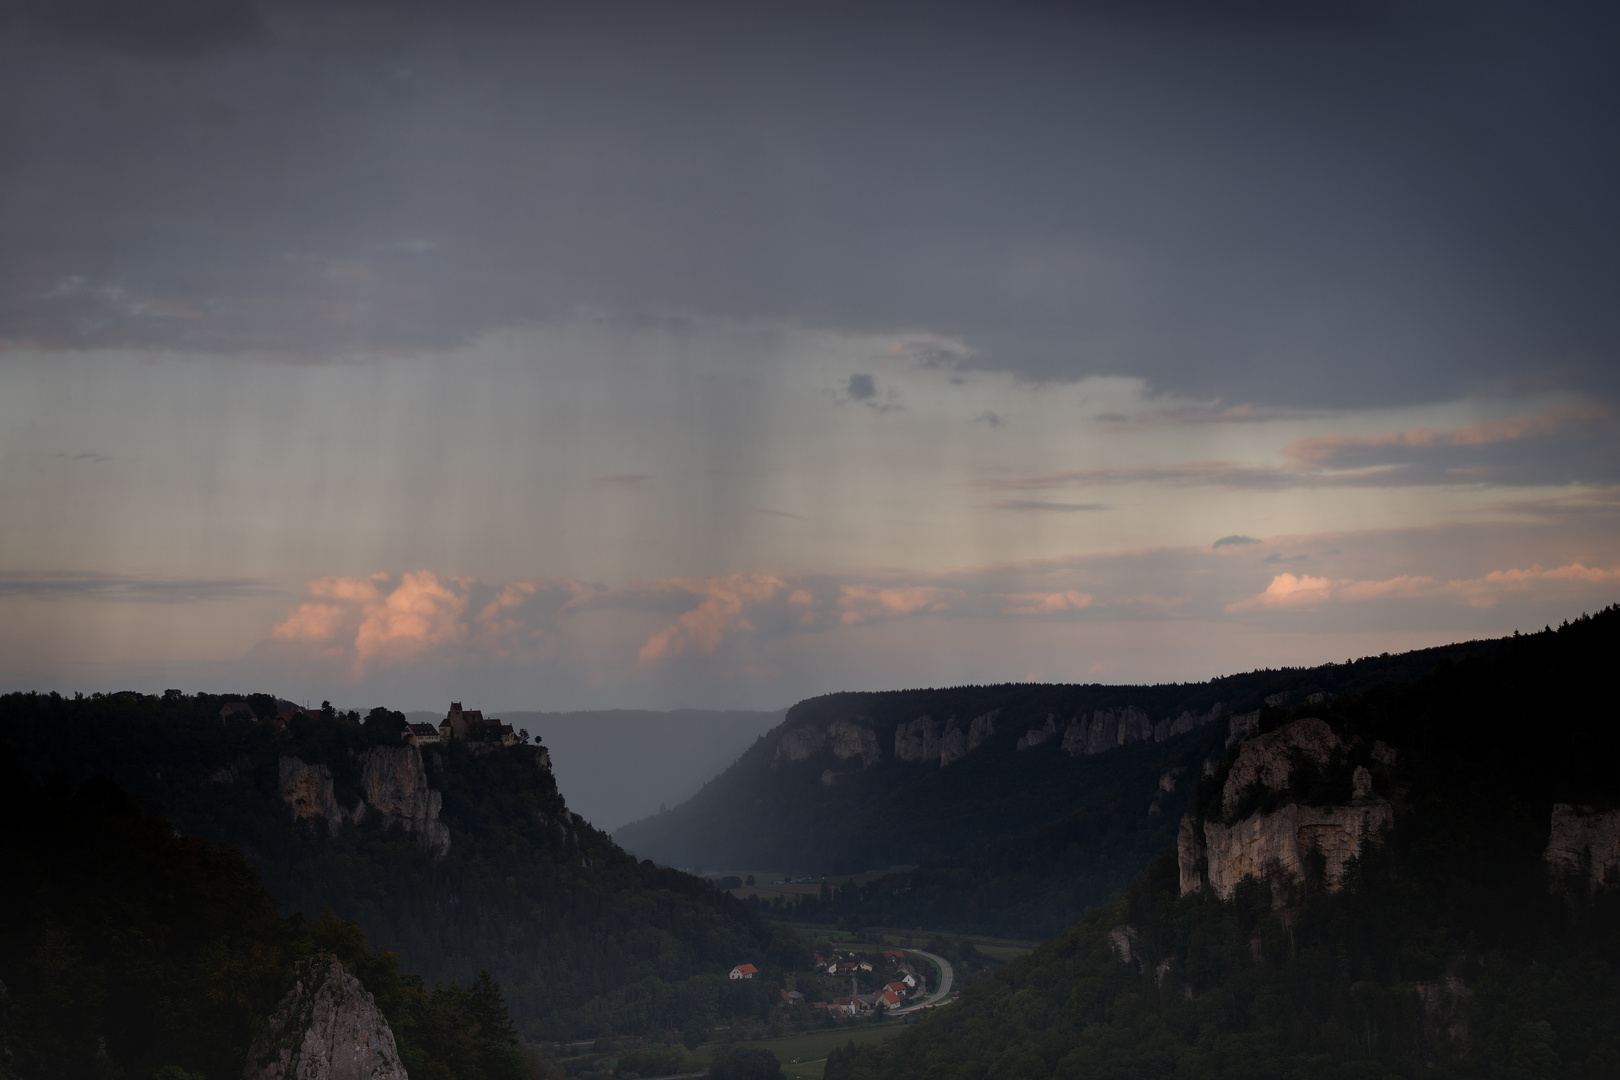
[(904, 984)]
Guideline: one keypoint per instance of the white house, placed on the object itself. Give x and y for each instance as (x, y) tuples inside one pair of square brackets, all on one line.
[(744, 971)]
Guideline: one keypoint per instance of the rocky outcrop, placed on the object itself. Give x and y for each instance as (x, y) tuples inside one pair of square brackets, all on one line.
[(328, 1027), (1036, 736), (917, 741), (980, 730), (1278, 845), (953, 744), (394, 783), (1187, 721), (801, 744), (1108, 729), (1190, 855), (1241, 726), (1124, 940), (923, 739), (1584, 844), (396, 786), (1268, 760), (308, 790), (850, 739)]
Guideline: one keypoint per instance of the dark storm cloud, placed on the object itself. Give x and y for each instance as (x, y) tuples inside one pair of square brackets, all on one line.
[(1235, 538), (861, 388), (1256, 202), (153, 27)]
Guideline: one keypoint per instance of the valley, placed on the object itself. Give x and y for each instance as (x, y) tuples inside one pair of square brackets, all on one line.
[(1365, 862)]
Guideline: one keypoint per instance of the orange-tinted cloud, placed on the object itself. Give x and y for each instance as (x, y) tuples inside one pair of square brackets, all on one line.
[(720, 612), (418, 615), (863, 602), (1305, 591), (1320, 451), (1036, 603)]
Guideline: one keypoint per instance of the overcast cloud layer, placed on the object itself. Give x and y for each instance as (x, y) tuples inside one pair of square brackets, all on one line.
[(684, 353)]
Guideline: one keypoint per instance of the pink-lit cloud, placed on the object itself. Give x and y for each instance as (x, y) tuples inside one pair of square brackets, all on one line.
[(1322, 451), (1035, 603), (721, 611), (862, 603), (1486, 591)]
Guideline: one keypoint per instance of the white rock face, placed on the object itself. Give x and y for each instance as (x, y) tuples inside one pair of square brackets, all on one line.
[(1241, 726), (1266, 759), (1280, 843), (1584, 843), (917, 741), (308, 790), (850, 739), (396, 785), (953, 744), (982, 728), (1189, 851), (1107, 729), (1037, 736), (801, 743), (326, 1028)]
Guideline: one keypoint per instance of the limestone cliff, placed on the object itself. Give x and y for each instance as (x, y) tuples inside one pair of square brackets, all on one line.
[(1108, 729), (308, 790), (1279, 844), (395, 786), (1037, 736), (917, 741), (1267, 760), (801, 743), (850, 739), (326, 1028), (1584, 844), (923, 739)]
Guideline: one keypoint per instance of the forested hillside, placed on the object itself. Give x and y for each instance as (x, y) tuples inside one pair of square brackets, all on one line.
[(1036, 884), (1455, 946), (129, 951), (584, 938), (851, 802)]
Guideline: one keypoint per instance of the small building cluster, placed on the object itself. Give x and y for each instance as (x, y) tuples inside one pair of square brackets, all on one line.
[(469, 725), (891, 996)]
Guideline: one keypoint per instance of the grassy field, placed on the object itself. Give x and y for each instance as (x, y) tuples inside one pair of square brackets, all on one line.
[(810, 1049)]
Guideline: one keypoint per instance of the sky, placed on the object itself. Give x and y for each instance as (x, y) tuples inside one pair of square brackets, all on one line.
[(649, 355)]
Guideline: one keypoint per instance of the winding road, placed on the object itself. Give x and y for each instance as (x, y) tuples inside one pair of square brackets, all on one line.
[(944, 991)]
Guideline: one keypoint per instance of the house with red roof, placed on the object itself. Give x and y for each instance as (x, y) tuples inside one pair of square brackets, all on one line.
[(744, 971)]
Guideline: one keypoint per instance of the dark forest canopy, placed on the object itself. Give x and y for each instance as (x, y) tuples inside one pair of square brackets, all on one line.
[(128, 950), (1450, 952), (583, 938)]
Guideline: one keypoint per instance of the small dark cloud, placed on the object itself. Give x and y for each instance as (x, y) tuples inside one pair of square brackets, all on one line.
[(988, 417), (865, 389), (1279, 557), (1112, 418), (69, 585), (90, 457), (623, 479), (777, 513), (1036, 506), (1234, 539)]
